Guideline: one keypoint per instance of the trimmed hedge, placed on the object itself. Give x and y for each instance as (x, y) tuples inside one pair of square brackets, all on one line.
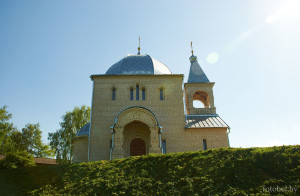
[(213, 172), (234, 171)]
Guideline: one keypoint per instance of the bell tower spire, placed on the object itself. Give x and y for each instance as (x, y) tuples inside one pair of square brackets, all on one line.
[(198, 88), (196, 74)]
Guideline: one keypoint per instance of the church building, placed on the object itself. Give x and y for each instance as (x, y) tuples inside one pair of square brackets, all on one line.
[(140, 107)]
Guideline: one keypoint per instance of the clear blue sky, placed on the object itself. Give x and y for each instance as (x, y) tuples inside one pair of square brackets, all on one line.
[(250, 49)]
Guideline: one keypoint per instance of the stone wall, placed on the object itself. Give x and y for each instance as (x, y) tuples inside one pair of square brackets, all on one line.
[(169, 113), (80, 149)]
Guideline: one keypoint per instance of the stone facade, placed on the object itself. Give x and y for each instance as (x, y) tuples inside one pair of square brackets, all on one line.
[(169, 112), (80, 149), (149, 107)]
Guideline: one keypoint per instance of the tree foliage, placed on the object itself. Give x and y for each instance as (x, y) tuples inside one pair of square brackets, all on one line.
[(29, 139), (6, 128), (61, 140), (17, 159)]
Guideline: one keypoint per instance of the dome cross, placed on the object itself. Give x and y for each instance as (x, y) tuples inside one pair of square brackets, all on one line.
[(139, 48)]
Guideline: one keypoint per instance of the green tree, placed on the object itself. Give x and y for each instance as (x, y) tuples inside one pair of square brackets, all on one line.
[(29, 139), (17, 159), (61, 140), (6, 128)]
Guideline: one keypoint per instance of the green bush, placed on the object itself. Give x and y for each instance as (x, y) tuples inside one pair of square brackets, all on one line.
[(231, 171), (17, 159), (213, 172)]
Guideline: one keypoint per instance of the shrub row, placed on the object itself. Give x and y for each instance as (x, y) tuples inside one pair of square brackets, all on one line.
[(213, 172)]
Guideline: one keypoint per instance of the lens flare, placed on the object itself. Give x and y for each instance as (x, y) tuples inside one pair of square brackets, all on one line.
[(212, 58), (271, 18)]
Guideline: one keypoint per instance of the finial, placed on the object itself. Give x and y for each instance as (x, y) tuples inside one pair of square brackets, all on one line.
[(139, 48), (192, 58)]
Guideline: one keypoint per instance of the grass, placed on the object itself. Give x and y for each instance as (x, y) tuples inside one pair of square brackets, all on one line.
[(221, 171)]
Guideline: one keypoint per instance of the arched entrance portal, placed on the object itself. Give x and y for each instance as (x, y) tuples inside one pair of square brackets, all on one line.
[(134, 123), (136, 139), (137, 147)]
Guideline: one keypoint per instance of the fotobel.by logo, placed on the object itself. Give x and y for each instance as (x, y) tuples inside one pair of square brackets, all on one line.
[(283, 189)]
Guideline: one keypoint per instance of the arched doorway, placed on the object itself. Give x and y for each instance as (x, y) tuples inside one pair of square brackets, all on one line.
[(131, 123), (137, 147), (136, 139)]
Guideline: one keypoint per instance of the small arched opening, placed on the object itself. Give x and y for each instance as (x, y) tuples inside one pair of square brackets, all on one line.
[(113, 94), (161, 94), (204, 145), (131, 94), (164, 147), (137, 91), (143, 94), (200, 99)]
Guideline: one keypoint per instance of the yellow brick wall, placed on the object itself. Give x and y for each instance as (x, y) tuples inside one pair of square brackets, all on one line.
[(80, 149), (169, 112)]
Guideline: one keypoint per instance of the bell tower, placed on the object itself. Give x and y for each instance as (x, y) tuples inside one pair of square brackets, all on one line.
[(198, 88)]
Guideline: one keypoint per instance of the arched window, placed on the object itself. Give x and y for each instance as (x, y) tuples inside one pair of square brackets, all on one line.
[(113, 94), (204, 145), (137, 92), (143, 94), (164, 147), (131, 93), (198, 104), (200, 99), (161, 94)]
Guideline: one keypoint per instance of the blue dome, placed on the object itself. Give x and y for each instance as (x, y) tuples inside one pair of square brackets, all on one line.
[(85, 130), (138, 65)]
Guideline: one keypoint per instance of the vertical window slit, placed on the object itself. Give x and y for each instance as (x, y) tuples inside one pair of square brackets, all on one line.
[(144, 94), (131, 93), (161, 94), (137, 92), (164, 147), (114, 94), (204, 145)]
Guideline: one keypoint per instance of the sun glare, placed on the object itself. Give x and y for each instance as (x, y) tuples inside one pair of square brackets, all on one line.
[(289, 10), (271, 18)]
